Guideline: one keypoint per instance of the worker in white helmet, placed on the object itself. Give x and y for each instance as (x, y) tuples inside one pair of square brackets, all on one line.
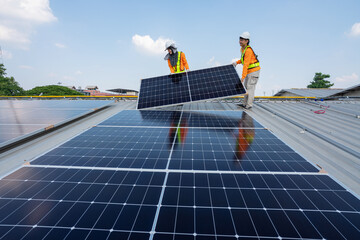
[(251, 69), (176, 59)]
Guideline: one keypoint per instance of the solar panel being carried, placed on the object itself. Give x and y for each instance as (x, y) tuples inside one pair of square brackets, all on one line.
[(211, 83), (199, 175)]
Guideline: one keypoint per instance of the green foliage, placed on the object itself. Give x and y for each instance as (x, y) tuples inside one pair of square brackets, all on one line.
[(51, 90), (8, 85), (319, 81)]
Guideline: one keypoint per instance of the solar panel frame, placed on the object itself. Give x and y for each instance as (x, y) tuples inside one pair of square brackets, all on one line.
[(223, 81)]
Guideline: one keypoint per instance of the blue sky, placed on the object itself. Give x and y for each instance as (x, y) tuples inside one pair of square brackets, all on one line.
[(114, 44)]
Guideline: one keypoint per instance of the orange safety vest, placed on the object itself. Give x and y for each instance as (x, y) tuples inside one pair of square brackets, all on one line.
[(249, 61)]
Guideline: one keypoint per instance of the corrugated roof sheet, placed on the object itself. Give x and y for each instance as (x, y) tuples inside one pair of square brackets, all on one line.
[(349, 89), (310, 92)]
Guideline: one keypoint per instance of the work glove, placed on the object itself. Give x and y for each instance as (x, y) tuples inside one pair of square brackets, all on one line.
[(234, 64)]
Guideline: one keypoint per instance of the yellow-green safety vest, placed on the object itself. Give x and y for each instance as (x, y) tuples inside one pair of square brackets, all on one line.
[(177, 67), (253, 65)]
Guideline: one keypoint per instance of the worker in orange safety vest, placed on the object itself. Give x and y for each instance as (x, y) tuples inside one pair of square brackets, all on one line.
[(251, 69), (176, 59)]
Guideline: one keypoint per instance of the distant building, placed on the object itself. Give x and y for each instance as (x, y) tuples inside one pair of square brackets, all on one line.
[(123, 91), (71, 87), (92, 88), (308, 92), (83, 92), (353, 91), (98, 93), (94, 91)]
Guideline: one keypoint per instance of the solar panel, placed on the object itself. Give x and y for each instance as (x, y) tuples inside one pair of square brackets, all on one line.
[(236, 150), (148, 118), (211, 83), (139, 179), (21, 118), (83, 202), (223, 142), (124, 147), (255, 205), (115, 203)]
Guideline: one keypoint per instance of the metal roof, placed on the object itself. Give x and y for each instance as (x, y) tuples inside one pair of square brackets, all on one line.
[(310, 92), (347, 90)]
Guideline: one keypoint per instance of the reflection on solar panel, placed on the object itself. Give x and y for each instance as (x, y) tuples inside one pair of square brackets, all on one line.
[(151, 118), (191, 86), (19, 118), (199, 175), (206, 141)]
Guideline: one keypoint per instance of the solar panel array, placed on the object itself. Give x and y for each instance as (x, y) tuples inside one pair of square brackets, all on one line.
[(175, 175), (210, 83), (20, 118)]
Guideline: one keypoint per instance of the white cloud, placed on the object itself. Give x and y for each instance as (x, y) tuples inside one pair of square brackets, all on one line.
[(355, 30), (5, 54), (25, 67), (347, 79), (59, 45), (67, 78), (52, 75), (19, 18), (212, 62), (30, 10), (13, 35), (147, 44)]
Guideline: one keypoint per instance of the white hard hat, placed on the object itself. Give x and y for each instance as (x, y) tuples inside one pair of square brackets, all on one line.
[(245, 35), (169, 44)]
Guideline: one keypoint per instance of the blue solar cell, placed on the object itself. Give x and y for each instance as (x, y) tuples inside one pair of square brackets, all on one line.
[(37, 233), (16, 233)]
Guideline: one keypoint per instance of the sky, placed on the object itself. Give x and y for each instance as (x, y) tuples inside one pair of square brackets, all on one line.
[(116, 43)]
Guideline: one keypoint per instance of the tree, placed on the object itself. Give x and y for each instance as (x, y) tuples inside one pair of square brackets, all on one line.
[(52, 90), (8, 85), (319, 81)]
